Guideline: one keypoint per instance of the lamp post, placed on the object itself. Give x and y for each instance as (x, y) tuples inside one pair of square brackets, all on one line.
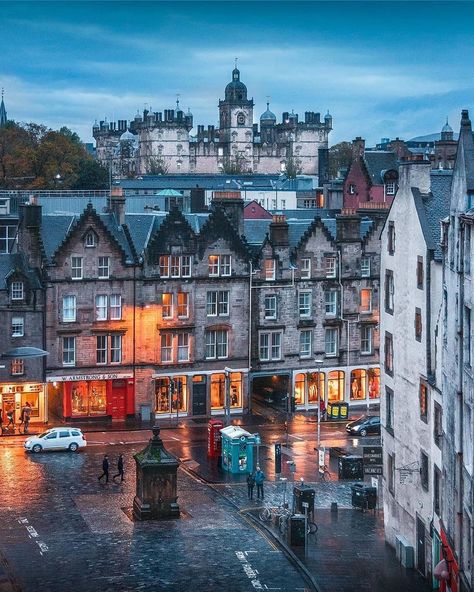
[(227, 372), (318, 363)]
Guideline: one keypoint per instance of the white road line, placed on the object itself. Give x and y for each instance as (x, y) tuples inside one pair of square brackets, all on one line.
[(294, 436)]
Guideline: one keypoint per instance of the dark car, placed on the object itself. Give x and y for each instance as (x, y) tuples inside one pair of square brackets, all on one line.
[(364, 426)]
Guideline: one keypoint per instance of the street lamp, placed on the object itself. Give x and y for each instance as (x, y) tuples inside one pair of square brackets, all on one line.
[(227, 373), (318, 363)]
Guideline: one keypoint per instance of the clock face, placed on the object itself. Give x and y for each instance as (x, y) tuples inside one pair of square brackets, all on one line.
[(241, 119)]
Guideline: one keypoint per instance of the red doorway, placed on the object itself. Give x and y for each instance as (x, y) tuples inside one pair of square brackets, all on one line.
[(119, 394)]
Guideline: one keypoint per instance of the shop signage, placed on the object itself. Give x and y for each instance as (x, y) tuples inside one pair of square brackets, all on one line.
[(372, 455), (79, 377), (373, 470)]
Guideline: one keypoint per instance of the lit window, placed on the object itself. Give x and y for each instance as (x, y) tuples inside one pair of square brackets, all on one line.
[(115, 349), (183, 347), (115, 307), (388, 353), (366, 339), (101, 351), (166, 347), (330, 299), (423, 402), (167, 305), (330, 342), (213, 265), (18, 326), (269, 269), (164, 266), (101, 307), (216, 344), (305, 343), (270, 307), (270, 345), (69, 309), (183, 304), (330, 266), (69, 351), (219, 265), (103, 268), (17, 291), (76, 268), (305, 269), (365, 267), (418, 324), (17, 367), (304, 304), (366, 301)]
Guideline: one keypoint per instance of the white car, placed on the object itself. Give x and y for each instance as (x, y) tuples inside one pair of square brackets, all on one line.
[(57, 439)]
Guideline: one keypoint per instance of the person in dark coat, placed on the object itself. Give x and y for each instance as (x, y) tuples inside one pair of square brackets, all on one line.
[(119, 468), (259, 479), (250, 485), (105, 469)]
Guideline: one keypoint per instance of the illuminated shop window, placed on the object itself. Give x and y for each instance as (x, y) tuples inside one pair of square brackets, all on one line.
[(218, 386), (373, 376), (89, 398), (358, 385), (336, 385), (299, 388), (316, 387)]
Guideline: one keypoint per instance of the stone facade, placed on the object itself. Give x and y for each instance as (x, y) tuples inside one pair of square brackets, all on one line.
[(161, 142)]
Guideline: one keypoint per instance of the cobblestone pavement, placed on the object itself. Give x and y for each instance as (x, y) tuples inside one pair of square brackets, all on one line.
[(61, 530)]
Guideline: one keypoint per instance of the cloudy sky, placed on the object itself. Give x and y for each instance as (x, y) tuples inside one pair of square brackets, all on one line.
[(382, 69)]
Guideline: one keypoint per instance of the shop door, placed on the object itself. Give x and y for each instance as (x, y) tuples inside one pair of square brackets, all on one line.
[(420, 545), (119, 392), (199, 398)]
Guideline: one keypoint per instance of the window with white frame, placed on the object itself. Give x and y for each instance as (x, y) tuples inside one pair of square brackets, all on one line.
[(115, 349), (115, 307), (219, 265), (270, 345), (269, 269), (167, 305), (164, 265), (175, 266), (305, 268), (330, 341), (101, 349), (366, 339), (17, 367), (183, 305), (17, 291), (270, 304), (69, 309), (217, 303), (305, 343), (365, 267), (90, 240), (304, 304), (8, 234), (366, 301), (216, 344), (389, 290), (69, 351), (225, 264), (352, 189), (330, 266), (18, 326), (76, 268), (183, 347), (166, 347), (103, 269), (101, 307), (330, 301), (185, 265), (390, 188)]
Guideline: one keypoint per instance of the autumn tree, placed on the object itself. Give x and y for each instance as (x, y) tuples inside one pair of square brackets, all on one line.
[(340, 156)]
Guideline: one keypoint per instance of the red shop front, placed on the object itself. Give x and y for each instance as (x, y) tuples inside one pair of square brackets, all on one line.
[(88, 396)]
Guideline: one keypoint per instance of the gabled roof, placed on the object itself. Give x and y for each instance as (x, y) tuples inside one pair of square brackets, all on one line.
[(17, 262), (378, 162)]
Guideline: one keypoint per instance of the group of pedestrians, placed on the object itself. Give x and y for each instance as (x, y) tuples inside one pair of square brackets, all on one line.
[(106, 466), (25, 418), (257, 479)]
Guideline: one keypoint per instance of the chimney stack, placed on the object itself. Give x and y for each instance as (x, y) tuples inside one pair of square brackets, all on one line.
[(233, 205), (279, 231), (116, 204), (415, 173), (358, 147)]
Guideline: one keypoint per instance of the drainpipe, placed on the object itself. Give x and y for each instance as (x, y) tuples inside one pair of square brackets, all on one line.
[(460, 402), (429, 362), (249, 381)]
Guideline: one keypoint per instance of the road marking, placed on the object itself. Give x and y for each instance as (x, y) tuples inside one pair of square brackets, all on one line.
[(294, 436), (33, 534), (250, 572)]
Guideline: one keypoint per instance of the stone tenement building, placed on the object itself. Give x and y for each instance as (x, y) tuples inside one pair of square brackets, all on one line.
[(191, 314), (158, 142)]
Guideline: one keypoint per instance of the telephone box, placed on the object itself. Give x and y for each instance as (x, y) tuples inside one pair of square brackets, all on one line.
[(214, 442), (237, 449)]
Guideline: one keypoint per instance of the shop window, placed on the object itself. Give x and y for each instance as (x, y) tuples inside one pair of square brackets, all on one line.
[(167, 305), (17, 367), (270, 304), (365, 301), (101, 349), (269, 269), (69, 351), (218, 385), (183, 305), (115, 349), (18, 326), (89, 398), (216, 344), (366, 332), (171, 394), (419, 273), (218, 390), (373, 375), (330, 266), (388, 353), (389, 291), (391, 472), (304, 304), (437, 490), (76, 268), (305, 269), (166, 347), (33, 400), (69, 309), (423, 394), (418, 324), (316, 387), (330, 342), (365, 267), (183, 347), (424, 470), (235, 386), (330, 302), (300, 381), (103, 268), (270, 345), (336, 385), (358, 385), (391, 238), (305, 343), (217, 303), (389, 409), (17, 291), (437, 424)]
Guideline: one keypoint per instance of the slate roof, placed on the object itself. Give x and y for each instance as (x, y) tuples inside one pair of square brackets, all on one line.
[(378, 161), (11, 262), (53, 230), (432, 208)]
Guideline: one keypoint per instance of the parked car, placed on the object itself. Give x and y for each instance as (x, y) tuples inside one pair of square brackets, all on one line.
[(56, 439), (368, 424)]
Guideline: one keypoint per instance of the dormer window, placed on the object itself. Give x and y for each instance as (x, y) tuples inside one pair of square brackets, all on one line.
[(352, 189), (90, 239), (17, 291)]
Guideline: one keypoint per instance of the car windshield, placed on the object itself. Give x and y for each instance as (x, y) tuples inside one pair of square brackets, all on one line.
[(44, 434)]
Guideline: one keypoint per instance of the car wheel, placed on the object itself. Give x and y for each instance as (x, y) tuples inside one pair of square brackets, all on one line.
[(73, 446), (363, 432), (37, 448)]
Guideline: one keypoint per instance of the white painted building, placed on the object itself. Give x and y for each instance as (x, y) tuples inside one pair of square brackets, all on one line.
[(410, 316)]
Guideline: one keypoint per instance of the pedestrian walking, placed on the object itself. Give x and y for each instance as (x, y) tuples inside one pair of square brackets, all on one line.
[(119, 469), (259, 479), (11, 417), (26, 415), (250, 485), (105, 469)]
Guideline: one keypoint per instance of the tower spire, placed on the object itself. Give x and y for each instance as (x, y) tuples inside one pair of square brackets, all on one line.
[(3, 112)]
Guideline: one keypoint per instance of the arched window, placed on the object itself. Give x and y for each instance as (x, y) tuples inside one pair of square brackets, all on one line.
[(336, 385), (358, 385)]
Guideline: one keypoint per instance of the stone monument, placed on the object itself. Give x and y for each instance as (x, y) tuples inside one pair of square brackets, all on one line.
[(156, 489)]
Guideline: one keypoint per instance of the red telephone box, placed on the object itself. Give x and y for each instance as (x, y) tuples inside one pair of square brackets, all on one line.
[(214, 443)]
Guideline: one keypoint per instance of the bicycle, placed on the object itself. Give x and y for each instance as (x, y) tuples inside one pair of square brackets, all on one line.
[(268, 512), (324, 474)]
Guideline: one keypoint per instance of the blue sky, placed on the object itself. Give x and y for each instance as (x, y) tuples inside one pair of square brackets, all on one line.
[(383, 69)]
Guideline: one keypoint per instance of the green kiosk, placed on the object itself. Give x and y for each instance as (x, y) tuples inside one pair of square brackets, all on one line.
[(237, 450)]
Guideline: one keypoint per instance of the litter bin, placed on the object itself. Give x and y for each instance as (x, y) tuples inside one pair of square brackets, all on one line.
[(145, 412), (338, 410), (296, 534), (364, 496), (351, 467), (303, 493)]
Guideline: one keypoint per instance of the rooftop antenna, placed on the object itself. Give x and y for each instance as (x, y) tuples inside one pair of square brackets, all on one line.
[(236, 63), (268, 101), (177, 101)]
